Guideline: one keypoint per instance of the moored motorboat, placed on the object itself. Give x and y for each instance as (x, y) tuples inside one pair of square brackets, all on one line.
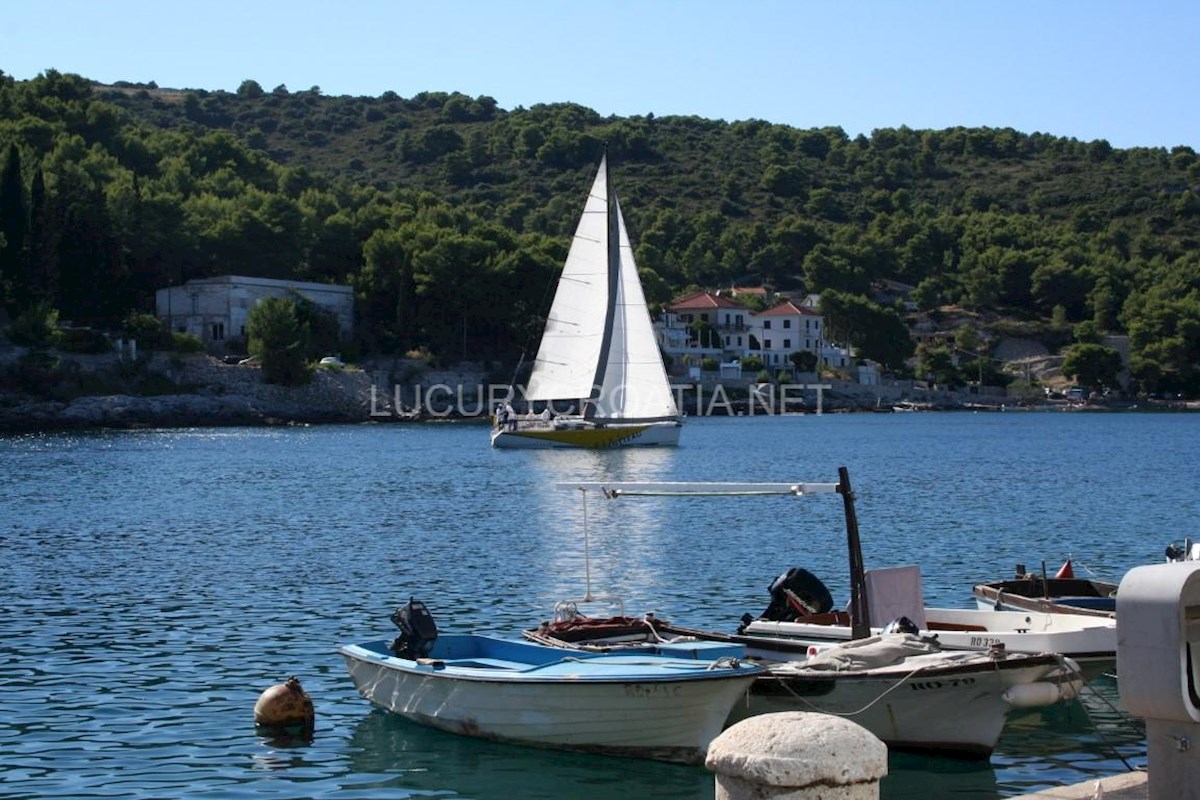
[(914, 696), (1064, 593), (895, 592), (626, 704)]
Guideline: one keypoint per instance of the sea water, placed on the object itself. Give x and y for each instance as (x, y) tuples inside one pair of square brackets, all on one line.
[(154, 583)]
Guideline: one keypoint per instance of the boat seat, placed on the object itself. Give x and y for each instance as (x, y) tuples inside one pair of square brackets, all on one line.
[(486, 663), (894, 592)]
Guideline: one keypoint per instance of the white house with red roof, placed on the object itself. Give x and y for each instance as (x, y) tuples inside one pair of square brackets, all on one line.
[(790, 327), (729, 320)]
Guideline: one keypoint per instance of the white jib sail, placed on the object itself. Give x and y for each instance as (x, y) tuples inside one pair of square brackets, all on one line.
[(635, 381)]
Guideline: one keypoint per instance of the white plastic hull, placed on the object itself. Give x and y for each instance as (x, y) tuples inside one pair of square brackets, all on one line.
[(1085, 639), (945, 710), (665, 720), (660, 434)]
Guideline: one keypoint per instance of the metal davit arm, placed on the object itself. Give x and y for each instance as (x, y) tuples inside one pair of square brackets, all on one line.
[(859, 624), (698, 488)]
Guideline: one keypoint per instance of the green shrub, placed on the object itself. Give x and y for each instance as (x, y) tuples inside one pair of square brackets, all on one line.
[(708, 364), (752, 364), (147, 331), (83, 340), (276, 337), (37, 326), (186, 343)]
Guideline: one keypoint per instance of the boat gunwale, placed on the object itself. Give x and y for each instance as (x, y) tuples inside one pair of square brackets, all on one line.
[(691, 670)]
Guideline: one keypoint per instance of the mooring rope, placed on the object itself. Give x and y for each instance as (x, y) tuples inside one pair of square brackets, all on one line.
[(882, 695)]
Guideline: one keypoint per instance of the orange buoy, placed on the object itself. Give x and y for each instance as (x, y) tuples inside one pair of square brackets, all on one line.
[(284, 704)]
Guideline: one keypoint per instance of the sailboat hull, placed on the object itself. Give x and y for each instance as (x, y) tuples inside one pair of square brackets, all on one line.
[(661, 434)]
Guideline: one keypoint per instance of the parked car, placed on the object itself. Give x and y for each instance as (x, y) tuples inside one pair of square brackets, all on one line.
[(332, 361), (232, 359), (252, 361)]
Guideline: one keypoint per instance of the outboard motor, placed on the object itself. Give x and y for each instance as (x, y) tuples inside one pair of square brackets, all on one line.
[(796, 593), (418, 631)]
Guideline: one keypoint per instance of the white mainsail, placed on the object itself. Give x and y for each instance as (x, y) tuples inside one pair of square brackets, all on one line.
[(565, 366), (599, 342)]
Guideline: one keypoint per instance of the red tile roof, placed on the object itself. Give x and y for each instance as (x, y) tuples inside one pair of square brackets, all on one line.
[(788, 308), (703, 300)]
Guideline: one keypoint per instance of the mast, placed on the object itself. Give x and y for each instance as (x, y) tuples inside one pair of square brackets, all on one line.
[(859, 624), (613, 252)]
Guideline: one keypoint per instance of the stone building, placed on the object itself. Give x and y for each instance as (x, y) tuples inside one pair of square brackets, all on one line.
[(216, 309)]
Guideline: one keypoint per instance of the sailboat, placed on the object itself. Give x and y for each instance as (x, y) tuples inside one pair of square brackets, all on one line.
[(598, 353)]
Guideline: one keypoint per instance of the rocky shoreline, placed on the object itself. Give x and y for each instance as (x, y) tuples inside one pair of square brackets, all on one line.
[(206, 393), (209, 393), (160, 411)]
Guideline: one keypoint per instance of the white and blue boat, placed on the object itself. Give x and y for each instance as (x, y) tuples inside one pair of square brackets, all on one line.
[(648, 705)]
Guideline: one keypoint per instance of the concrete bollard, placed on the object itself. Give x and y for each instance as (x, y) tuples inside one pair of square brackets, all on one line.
[(797, 755)]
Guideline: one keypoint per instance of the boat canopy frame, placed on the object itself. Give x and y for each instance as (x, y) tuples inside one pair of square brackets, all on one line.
[(613, 490)]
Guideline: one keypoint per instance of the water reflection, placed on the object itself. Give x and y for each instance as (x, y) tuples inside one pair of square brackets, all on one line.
[(407, 756), (1045, 747), (589, 543)]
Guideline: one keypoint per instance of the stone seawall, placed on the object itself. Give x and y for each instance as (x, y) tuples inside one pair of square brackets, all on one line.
[(211, 393)]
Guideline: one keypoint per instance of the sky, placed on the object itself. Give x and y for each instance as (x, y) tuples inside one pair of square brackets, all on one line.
[(1127, 72)]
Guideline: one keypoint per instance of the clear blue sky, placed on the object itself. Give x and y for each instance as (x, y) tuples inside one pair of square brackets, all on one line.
[(1128, 72)]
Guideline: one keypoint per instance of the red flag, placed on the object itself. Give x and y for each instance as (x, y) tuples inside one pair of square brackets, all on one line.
[(1065, 571)]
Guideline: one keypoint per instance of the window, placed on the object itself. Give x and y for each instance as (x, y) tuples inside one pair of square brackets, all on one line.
[(218, 331), (766, 324), (787, 323), (787, 344), (766, 344)]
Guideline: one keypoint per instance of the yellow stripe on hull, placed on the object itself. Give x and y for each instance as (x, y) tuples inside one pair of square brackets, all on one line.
[(587, 437)]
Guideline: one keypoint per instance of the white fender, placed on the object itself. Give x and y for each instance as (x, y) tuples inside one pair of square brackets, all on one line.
[(1037, 694)]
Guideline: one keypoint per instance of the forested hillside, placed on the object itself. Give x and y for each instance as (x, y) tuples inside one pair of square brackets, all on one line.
[(450, 216)]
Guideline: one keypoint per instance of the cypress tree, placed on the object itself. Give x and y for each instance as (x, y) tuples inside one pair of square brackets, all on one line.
[(43, 236), (13, 224)]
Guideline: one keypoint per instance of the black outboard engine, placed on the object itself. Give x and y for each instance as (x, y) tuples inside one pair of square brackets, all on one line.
[(417, 630), (795, 593)]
